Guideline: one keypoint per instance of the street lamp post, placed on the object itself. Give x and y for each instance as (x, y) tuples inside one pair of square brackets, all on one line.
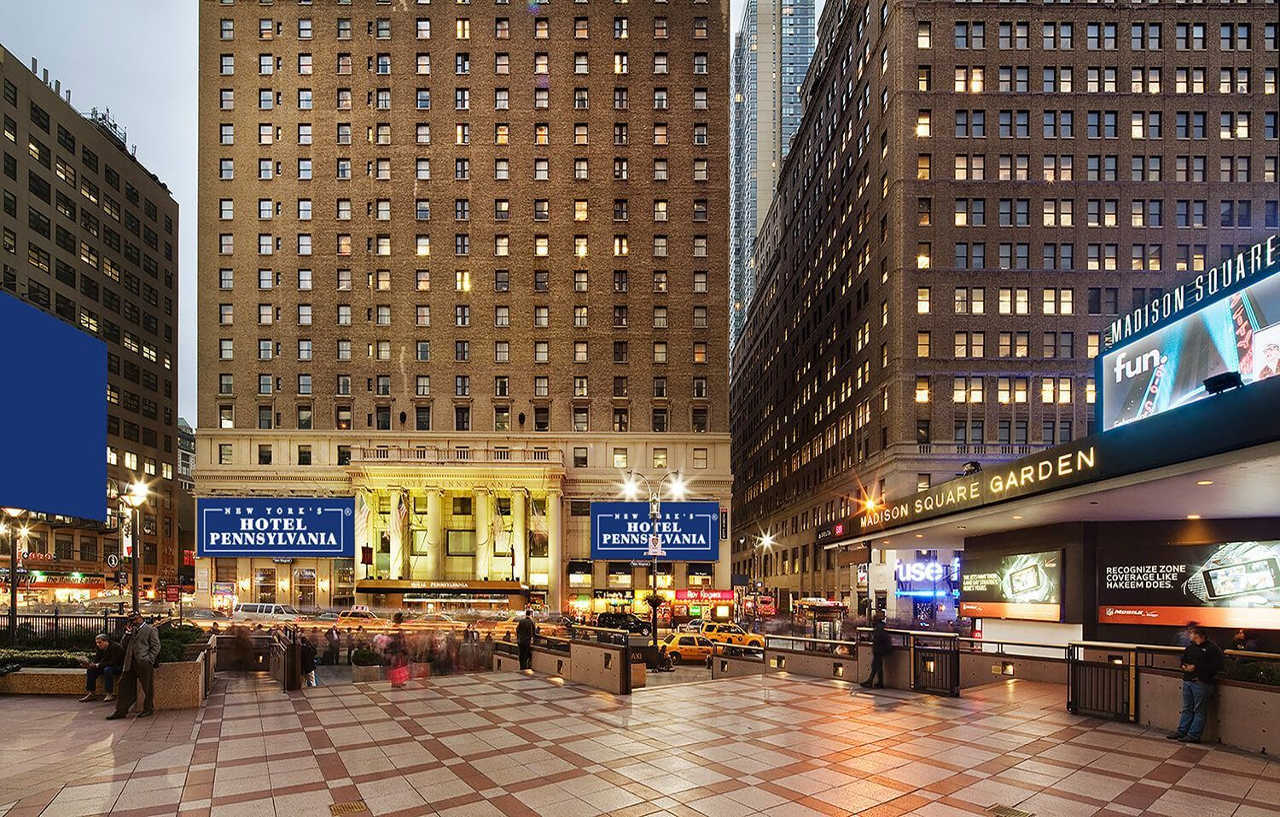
[(765, 544), (13, 514), (135, 499), (635, 486)]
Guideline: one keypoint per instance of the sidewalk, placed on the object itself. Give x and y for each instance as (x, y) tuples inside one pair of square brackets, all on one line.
[(508, 744)]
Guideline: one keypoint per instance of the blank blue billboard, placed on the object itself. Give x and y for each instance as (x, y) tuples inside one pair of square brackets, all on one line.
[(53, 415)]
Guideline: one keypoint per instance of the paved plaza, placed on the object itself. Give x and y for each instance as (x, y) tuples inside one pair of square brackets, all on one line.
[(508, 744)]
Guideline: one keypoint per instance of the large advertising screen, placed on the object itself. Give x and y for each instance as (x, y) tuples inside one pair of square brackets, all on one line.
[(1229, 584), (276, 527), (54, 415), (686, 531), (1237, 331), (1021, 586)]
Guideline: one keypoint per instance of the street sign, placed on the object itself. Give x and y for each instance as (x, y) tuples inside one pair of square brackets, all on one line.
[(172, 593), (122, 577), (655, 549), (113, 560)]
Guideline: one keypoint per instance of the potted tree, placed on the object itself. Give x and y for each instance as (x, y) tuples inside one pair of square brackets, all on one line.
[(366, 665)]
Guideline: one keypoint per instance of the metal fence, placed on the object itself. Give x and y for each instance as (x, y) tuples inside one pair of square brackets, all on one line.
[(58, 631)]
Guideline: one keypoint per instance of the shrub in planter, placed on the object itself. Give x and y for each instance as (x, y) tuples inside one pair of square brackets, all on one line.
[(365, 657), (65, 659)]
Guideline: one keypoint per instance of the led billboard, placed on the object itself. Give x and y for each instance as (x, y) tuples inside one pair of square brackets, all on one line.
[(53, 415), (1228, 584), (1226, 319), (1020, 586)]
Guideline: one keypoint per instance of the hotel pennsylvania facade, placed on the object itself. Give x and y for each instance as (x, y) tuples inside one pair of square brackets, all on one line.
[(475, 376)]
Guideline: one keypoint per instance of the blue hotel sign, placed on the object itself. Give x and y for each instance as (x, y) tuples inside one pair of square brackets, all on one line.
[(283, 528), (687, 531)]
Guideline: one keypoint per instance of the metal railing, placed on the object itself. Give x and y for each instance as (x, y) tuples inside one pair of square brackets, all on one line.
[(1103, 677), (57, 630)]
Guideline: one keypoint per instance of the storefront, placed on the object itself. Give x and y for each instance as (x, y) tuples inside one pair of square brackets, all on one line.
[(703, 603)]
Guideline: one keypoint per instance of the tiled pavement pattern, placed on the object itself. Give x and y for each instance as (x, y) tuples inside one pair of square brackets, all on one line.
[(507, 744)]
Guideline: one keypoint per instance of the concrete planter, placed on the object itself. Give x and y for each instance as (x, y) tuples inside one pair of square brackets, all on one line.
[(178, 685), (364, 675)]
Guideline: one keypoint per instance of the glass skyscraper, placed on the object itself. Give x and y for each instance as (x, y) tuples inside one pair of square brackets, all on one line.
[(770, 57)]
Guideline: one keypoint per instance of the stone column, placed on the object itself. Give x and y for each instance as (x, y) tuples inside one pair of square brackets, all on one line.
[(435, 533), (519, 533), (398, 533), (555, 564), (244, 570), (484, 533)]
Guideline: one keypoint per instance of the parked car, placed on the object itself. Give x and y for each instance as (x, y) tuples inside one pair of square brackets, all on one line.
[(732, 634), (205, 614), (361, 617), (623, 621), (264, 612), (682, 648)]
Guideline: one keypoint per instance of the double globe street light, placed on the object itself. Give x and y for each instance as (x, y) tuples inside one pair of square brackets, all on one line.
[(135, 498), (636, 486), (13, 515)]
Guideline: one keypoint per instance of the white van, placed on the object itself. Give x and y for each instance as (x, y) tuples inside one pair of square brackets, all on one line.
[(264, 612)]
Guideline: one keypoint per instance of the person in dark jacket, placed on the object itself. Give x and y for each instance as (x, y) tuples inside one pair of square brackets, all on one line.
[(141, 646), (881, 646), (525, 630), (106, 664), (307, 661), (1201, 662)]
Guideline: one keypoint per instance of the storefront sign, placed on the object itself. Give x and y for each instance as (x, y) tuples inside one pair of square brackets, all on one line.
[(685, 531), (1231, 584), (700, 595), (284, 528), (855, 555), (1230, 322), (1050, 469), (224, 588), (1021, 586)]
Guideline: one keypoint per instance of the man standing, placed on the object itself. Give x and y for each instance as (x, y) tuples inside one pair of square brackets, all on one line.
[(881, 646), (106, 663), (525, 630), (141, 651), (1201, 661)]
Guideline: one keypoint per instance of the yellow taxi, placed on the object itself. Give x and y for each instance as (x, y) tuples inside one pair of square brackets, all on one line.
[(684, 648), (731, 634)]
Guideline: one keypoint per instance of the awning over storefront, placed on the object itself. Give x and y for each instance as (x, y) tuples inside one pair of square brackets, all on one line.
[(1216, 458), (440, 586)]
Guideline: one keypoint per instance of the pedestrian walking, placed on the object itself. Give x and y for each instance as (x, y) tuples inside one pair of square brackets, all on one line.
[(141, 647), (397, 653), (881, 646), (332, 640), (307, 662), (107, 664), (525, 631), (1201, 661)]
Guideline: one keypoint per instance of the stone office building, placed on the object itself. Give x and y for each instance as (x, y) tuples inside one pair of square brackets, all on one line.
[(90, 235)]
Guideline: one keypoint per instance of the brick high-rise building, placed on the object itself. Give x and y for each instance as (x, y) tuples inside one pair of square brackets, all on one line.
[(474, 255), (975, 191), (91, 235)]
